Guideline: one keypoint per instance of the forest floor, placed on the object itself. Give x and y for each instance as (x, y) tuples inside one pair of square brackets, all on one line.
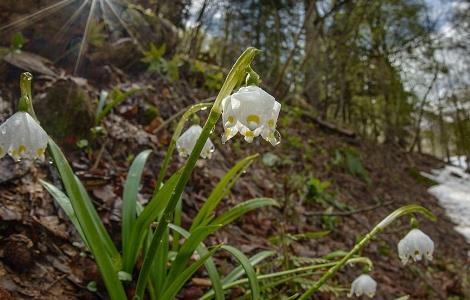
[(322, 179)]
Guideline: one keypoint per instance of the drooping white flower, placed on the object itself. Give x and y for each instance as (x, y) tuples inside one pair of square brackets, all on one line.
[(188, 139), (363, 285), (252, 112), (415, 245), (22, 137)]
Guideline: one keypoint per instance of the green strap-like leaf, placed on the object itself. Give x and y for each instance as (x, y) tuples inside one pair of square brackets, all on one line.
[(237, 273), (187, 249), (91, 225), (129, 199), (178, 283), (249, 270), (220, 191), (241, 209), (150, 213), (65, 204), (209, 264)]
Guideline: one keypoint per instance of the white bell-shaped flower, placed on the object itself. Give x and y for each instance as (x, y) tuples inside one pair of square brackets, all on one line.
[(252, 112), (363, 285), (22, 137), (415, 245), (188, 139)]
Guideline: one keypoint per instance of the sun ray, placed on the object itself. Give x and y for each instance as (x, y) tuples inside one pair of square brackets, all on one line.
[(40, 14), (69, 23), (84, 41), (124, 25)]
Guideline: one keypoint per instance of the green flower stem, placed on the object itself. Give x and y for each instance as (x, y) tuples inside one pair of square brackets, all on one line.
[(171, 148), (235, 76), (354, 260), (166, 161), (404, 210)]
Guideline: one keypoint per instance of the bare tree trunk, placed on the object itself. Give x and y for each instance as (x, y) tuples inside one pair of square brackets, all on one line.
[(417, 138), (194, 44)]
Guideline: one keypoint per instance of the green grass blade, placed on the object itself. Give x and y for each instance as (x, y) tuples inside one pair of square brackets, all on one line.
[(87, 217), (66, 206), (129, 199), (220, 191), (241, 209), (249, 270), (209, 264), (178, 283)]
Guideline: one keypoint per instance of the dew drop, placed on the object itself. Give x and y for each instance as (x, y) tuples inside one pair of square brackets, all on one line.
[(4, 131), (204, 108), (276, 138)]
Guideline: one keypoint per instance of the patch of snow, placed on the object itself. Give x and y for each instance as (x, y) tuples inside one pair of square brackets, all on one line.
[(453, 194)]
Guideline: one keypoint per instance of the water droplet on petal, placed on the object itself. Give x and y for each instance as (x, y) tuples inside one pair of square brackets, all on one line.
[(276, 140), (4, 131)]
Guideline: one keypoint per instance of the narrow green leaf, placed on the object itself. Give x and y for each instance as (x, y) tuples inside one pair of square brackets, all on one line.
[(87, 217), (160, 269), (129, 198), (150, 213), (241, 209), (237, 273), (209, 264), (249, 270), (220, 191), (178, 283), (187, 249), (65, 204)]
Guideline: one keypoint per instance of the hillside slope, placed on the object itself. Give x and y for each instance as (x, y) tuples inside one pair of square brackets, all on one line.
[(322, 179)]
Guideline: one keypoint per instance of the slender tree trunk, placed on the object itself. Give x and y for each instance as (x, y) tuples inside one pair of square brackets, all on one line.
[(194, 44), (417, 139)]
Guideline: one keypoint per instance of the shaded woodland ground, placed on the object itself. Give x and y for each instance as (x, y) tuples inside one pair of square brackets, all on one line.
[(326, 178)]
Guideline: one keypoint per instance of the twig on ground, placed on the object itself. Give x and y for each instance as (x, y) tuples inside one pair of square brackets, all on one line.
[(350, 212)]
